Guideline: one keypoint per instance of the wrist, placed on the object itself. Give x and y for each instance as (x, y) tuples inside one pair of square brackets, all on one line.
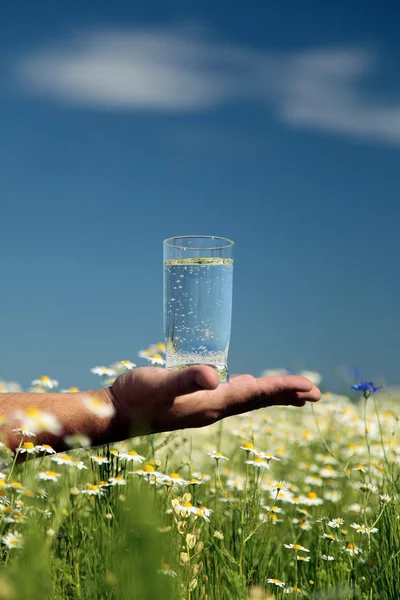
[(107, 429)]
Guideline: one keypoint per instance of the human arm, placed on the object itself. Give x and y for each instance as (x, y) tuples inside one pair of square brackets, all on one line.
[(151, 400)]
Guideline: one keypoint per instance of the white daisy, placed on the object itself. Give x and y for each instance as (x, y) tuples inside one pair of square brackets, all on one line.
[(34, 420), (45, 382), (166, 570), (363, 529), (48, 475), (117, 480), (385, 498), (24, 431), (248, 447), (217, 455), (277, 582), (93, 490), (123, 365), (352, 549), (103, 371), (98, 407), (174, 479), (335, 523), (156, 359), (63, 459), (296, 547), (258, 462), (267, 456), (27, 447), (78, 464), (13, 540), (367, 488), (45, 448), (78, 440), (132, 455), (100, 460)]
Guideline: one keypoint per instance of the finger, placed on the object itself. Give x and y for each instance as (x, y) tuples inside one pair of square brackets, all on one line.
[(236, 378), (251, 393), (312, 396), (191, 379)]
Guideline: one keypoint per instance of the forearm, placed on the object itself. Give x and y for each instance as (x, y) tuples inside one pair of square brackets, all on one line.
[(70, 411)]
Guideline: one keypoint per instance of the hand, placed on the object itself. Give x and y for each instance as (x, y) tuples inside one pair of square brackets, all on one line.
[(150, 400)]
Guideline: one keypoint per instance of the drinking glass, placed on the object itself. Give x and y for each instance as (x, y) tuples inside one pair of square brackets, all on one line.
[(198, 276)]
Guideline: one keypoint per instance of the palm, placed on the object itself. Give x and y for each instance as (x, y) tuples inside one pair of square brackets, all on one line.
[(150, 399)]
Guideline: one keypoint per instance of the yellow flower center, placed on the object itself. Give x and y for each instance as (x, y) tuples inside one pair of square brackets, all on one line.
[(93, 488), (32, 411), (51, 473), (351, 546), (165, 566), (174, 475), (217, 454), (312, 495), (132, 453), (188, 505), (74, 389), (296, 546), (194, 480), (148, 468), (45, 378), (248, 446), (258, 460), (28, 445)]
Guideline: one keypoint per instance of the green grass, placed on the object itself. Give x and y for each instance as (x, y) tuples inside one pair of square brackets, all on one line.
[(113, 546)]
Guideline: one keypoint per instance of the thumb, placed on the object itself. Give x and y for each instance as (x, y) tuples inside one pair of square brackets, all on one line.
[(191, 379)]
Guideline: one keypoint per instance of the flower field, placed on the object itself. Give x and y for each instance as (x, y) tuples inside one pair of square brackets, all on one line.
[(279, 503)]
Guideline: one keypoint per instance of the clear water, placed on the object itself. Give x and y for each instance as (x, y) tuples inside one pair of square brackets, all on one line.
[(197, 312)]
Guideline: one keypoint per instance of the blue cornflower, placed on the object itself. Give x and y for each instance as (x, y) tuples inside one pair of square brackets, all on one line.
[(366, 387)]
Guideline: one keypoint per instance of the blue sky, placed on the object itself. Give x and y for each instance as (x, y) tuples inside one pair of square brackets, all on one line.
[(125, 123)]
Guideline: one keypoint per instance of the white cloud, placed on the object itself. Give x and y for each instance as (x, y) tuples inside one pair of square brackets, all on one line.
[(323, 90), (135, 70), (177, 70)]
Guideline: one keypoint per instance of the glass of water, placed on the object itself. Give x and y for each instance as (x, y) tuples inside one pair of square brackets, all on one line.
[(198, 272)]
